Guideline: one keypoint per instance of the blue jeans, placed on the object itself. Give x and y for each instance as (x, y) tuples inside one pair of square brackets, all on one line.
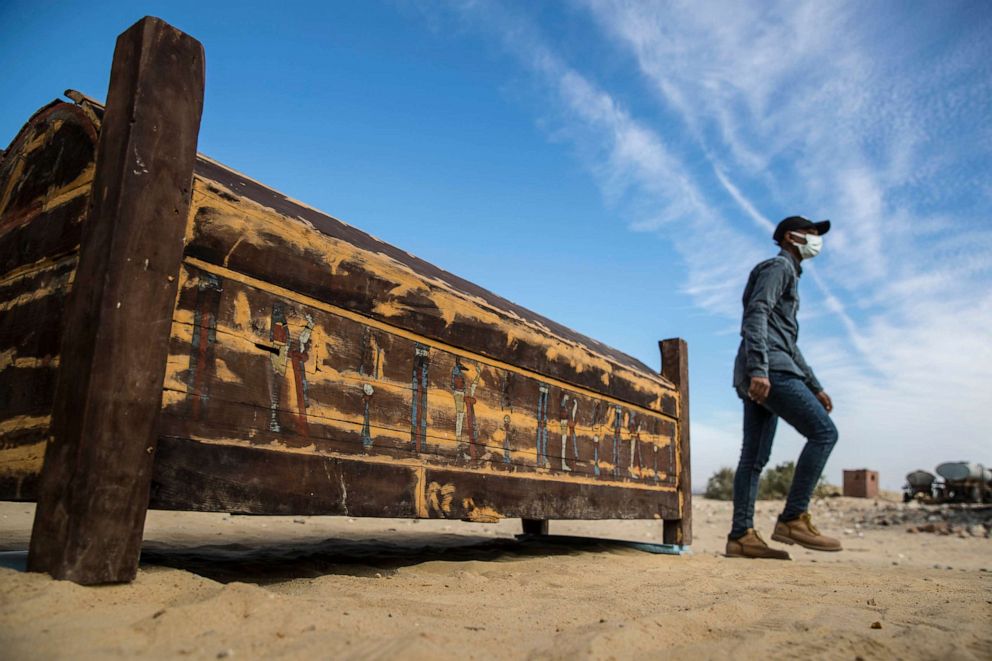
[(793, 401)]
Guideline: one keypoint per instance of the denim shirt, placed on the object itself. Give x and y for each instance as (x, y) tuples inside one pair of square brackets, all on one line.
[(769, 329)]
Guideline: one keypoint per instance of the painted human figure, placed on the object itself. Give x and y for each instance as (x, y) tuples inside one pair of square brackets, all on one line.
[(279, 336), (458, 392), (572, 414), (506, 404), (563, 429), (202, 367), (299, 356), (285, 355), (506, 391), (634, 428), (507, 432), (473, 431), (370, 360), (418, 405), (656, 476), (367, 392), (617, 426), (542, 426), (597, 425)]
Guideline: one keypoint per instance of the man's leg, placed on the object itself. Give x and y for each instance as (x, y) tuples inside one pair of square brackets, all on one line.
[(759, 432), (795, 404), (793, 401)]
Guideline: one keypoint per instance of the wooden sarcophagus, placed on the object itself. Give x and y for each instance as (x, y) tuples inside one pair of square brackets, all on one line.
[(176, 335)]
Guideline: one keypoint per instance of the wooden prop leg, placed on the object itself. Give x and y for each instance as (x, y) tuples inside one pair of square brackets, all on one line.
[(675, 368), (94, 486), (535, 526)]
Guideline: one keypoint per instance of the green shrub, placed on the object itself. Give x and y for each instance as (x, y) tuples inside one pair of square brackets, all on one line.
[(774, 483), (720, 486)]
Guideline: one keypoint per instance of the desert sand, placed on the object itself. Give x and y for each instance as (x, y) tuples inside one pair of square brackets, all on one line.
[(224, 586)]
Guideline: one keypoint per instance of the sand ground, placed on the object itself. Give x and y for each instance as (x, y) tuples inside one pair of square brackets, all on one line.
[(220, 586)]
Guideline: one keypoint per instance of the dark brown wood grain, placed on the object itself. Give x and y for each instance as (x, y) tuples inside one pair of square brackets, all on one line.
[(191, 475), (675, 367), (357, 286), (93, 491), (224, 478), (31, 312), (47, 234), (190, 385), (487, 496), (48, 155), (223, 383)]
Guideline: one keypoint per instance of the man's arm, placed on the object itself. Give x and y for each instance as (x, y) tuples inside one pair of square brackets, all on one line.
[(812, 383), (769, 283), (811, 380)]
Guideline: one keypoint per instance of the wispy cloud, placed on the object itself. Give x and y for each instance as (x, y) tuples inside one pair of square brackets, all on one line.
[(813, 108), (828, 106)]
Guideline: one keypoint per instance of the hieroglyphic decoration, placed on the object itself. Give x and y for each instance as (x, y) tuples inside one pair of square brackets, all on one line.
[(506, 391), (418, 403), (507, 438), (284, 353), (286, 388), (542, 425), (617, 426), (654, 450), (634, 429), (201, 358), (458, 392), (367, 392), (470, 419), (465, 399), (567, 412), (370, 363), (597, 427), (432, 403)]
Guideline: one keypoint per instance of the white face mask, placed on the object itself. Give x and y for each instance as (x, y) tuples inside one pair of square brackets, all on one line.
[(811, 248)]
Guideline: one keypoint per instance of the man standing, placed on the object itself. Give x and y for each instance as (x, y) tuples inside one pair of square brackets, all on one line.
[(772, 378)]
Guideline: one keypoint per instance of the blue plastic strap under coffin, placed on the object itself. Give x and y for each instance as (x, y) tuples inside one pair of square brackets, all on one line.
[(17, 560)]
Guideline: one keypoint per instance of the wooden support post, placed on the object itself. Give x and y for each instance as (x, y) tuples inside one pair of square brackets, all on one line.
[(675, 368), (93, 490), (535, 526)]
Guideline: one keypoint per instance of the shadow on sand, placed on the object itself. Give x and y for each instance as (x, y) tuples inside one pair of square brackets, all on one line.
[(274, 562)]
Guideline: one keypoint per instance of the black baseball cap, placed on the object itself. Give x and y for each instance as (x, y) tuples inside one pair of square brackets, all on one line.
[(793, 223)]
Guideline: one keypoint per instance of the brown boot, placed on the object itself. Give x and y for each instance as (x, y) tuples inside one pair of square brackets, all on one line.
[(802, 531), (752, 546)]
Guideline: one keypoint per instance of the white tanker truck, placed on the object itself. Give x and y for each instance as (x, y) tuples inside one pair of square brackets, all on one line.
[(962, 482)]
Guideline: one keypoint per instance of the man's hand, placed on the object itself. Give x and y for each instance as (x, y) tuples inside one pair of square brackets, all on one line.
[(759, 389), (825, 400)]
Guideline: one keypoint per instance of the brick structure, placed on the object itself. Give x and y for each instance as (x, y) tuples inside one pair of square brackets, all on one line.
[(861, 483)]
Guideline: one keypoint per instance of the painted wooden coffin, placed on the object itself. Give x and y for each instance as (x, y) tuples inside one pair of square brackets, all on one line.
[(313, 369)]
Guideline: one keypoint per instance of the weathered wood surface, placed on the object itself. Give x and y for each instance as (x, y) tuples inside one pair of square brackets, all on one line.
[(191, 475), (45, 178), (249, 228), (675, 366), (252, 364), (313, 369), (94, 485)]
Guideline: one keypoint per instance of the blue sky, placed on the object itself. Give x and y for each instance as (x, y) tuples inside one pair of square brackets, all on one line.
[(619, 166)]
